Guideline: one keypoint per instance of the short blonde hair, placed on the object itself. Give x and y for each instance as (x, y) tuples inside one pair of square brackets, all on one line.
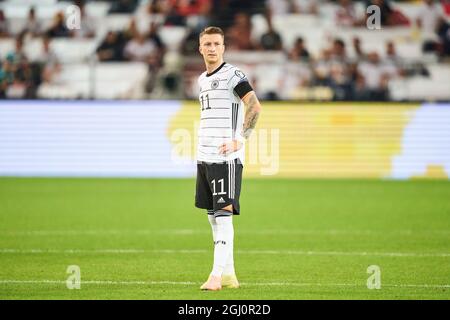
[(212, 30)]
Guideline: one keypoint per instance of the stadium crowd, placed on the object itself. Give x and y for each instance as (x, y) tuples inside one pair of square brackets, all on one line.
[(363, 76)]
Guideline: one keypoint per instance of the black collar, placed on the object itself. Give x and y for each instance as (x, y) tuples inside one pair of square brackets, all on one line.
[(218, 68)]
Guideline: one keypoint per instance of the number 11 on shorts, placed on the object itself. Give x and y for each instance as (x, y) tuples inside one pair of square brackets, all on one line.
[(221, 181)]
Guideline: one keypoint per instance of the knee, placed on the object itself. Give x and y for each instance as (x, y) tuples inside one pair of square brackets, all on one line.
[(228, 208)]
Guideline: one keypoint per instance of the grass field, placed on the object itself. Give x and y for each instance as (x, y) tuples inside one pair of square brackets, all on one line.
[(295, 239)]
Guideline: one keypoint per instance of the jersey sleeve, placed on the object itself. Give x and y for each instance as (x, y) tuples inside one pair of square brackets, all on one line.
[(238, 83)]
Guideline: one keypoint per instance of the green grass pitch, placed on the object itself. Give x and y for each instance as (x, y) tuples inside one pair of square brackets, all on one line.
[(295, 239)]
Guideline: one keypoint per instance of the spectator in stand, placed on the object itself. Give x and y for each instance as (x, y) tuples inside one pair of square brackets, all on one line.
[(295, 77), (308, 6), (192, 7), (321, 69), (18, 55), (392, 62), (430, 17), (298, 51), (173, 17), (6, 77), (224, 11), (145, 49), (141, 49), (338, 50), (271, 40), (32, 26), (123, 6), (131, 31), (153, 35), (239, 34), (177, 11), (3, 81), (58, 28), (111, 49), (340, 72), (282, 7), (222, 14), (249, 7), (372, 79), (446, 6), (20, 73), (444, 38), (87, 24), (49, 62), (391, 54), (346, 14), (189, 46), (359, 53), (157, 7), (4, 26)]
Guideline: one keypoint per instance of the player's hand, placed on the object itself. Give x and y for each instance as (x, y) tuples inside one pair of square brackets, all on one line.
[(230, 147)]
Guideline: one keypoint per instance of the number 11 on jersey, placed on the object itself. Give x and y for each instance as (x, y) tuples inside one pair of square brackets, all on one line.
[(205, 102)]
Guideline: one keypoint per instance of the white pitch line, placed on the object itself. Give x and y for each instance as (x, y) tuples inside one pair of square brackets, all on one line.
[(100, 282), (187, 232), (346, 253), (195, 251), (189, 283)]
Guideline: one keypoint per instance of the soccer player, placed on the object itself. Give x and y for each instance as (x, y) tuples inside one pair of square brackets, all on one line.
[(223, 129)]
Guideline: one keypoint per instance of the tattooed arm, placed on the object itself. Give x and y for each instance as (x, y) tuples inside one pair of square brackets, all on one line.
[(251, 117), (251, 114)]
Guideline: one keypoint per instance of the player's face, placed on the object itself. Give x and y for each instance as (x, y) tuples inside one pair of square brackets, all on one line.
[(212, 48)]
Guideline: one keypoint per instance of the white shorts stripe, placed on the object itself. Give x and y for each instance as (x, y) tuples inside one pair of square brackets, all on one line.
[(232, 179), (229, 190)]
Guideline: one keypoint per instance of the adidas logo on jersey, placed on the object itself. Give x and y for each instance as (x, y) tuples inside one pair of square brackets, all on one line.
[(221, 200)]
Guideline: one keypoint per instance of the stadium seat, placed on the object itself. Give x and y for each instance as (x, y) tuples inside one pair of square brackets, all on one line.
[(113, 81), (116, 21), (434, 88), (45, 9), (74, 50), (172, 36), (6, 45)]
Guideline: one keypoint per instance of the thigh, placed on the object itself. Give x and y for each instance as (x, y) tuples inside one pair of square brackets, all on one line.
[(225, 184), (203, 195)]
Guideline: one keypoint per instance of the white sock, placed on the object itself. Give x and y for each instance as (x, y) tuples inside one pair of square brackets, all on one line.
[(212, 222), (223, 244), (229, 267)]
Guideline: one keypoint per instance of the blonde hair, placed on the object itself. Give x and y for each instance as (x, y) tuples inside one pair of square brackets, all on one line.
[(212, 30)]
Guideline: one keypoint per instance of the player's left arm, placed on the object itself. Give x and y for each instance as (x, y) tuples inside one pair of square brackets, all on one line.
[(253, 109)]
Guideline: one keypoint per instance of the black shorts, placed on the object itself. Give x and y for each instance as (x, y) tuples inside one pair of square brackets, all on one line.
[(218, 185)]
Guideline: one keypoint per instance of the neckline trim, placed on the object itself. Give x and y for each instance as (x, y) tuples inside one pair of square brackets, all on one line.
[(217, 69)]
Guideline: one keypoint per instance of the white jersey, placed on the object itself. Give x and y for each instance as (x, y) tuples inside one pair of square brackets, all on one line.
[(222, 112)]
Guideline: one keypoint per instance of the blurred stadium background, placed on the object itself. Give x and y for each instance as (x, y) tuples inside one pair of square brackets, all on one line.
[(290, 49), (143, 55), (351, 106)]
